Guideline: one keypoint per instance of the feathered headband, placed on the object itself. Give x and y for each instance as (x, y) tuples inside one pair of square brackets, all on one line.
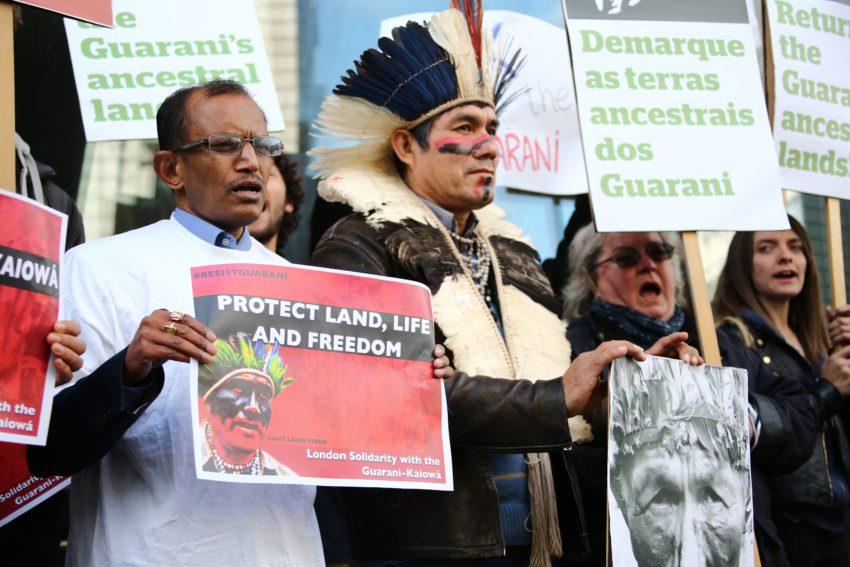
[(260, 363), (419, 73), (663, 403)]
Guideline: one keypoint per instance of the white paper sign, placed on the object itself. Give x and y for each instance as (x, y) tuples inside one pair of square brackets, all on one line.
[(538, 132), (811, 122), (679, 488), (158, 46), (674, 124)]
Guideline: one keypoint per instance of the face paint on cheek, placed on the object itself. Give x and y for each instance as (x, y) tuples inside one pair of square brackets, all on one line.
[(487, 185), (484, 187), (458, 145), (265, 412), (226, 403)]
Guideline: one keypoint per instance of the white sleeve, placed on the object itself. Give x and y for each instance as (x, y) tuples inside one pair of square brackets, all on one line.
[(90, 285)]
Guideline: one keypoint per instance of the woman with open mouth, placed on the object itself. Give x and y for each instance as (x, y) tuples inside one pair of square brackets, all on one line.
[(768, 294)]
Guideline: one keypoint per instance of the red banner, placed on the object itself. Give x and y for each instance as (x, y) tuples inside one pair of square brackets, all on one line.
[(325, 378), (94, 11), (32, 241), (19, 490)]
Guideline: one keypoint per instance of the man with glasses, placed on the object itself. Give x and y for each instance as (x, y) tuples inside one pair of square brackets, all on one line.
[(125, 430)]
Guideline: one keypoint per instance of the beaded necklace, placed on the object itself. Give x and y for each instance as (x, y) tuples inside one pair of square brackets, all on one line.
[(252, 467), (476, 256)]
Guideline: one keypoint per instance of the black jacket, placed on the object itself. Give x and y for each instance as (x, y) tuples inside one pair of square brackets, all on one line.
[(786, 441), (486, 415), (810, 485), (90, 416)]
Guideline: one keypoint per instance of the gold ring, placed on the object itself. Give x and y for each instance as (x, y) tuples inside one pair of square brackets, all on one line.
[(171, 328), (176, 316)]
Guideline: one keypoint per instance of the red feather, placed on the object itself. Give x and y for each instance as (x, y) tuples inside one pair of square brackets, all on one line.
[(473, 13)]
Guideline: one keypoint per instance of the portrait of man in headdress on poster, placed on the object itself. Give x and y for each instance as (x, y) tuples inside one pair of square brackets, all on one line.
[(237, 389), (679, 469)]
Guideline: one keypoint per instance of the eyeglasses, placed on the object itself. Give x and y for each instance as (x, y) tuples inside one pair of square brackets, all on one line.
[(231, 144), (629, 256)]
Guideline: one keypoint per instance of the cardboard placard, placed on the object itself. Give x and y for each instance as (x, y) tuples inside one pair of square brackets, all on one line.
[(679, 487), (810, 43), (124, 74), (326, 378), (32, 243), (674, 126), (19, 490), (94, 11)]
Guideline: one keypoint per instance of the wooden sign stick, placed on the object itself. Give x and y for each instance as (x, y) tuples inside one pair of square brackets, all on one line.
[(7, 98), (701, 302), (835, 251)]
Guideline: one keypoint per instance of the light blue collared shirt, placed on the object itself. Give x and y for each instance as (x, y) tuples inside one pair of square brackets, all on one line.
[(210, 233)]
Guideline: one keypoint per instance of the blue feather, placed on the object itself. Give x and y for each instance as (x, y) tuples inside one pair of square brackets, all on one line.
[(410, 75)]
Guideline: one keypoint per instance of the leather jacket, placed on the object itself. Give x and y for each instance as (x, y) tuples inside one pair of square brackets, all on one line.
[(486, 415), (811, 484)]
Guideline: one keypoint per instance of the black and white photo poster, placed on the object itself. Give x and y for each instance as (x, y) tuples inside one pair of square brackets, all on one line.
[(679, 489)]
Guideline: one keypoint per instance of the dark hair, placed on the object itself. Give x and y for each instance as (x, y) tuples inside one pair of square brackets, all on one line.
[(172, 119), (737, 292), (294, 196)]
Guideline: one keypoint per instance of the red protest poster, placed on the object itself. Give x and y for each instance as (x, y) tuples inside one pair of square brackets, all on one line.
[(94, 11), (19, 490), (321, 377), (32, 241)]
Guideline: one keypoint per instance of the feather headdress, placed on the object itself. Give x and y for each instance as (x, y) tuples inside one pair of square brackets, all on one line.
[(260, 363), (417, 74)]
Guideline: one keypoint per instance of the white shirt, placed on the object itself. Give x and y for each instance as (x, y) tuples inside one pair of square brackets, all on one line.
[(142, 504)]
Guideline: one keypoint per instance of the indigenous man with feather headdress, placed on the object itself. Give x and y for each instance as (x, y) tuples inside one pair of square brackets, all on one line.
[(237, 388), (420, 117)]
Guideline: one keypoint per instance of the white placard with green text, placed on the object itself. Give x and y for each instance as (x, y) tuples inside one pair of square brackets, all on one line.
[(157, 46), (811, 122), (673, 117)]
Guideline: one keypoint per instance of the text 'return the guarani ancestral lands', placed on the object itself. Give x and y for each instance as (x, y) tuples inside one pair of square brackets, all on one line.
[(32, 240), (320, 377)]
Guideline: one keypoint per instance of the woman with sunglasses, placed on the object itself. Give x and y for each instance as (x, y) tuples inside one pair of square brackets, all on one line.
[(629, 286), (769, 298)]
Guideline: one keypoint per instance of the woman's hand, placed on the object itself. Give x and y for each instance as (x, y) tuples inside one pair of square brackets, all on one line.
[(836, 370), (839, 325), (674, 346)]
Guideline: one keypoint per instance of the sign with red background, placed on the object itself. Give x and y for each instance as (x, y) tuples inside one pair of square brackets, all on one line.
[(19, 490), (32, 242), (363, 408), (94, 11)]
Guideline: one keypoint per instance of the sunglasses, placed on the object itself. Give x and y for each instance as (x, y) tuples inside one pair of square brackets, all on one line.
[(629, 256), (231, 144)]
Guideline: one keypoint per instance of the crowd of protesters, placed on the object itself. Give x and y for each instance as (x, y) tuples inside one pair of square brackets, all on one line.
[(527, 400)]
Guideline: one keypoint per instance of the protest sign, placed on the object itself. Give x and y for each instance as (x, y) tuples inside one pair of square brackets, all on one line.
[(94, 11), (123, 74), (19, 490), (321, 377), (538, 135), (675, 131), (679, 489), (32, 242), (810, 43)]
